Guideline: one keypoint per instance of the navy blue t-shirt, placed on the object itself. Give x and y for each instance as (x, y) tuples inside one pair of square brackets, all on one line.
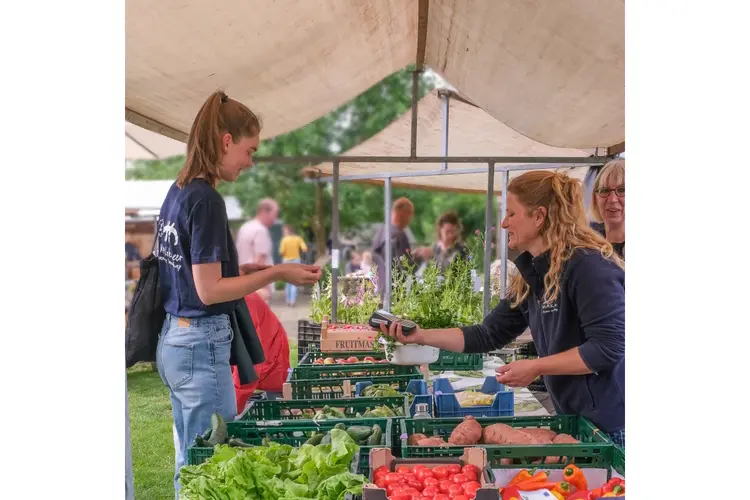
[(193, 229)]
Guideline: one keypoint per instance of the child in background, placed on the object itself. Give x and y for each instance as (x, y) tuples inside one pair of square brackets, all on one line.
[(290, 249), (366, 265)]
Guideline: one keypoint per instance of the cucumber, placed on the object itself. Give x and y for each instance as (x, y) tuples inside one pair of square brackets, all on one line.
[(200, 442), (315, 439), (340, 426), (326, 439), (377, 434), (359, 432), (219, 432), (238, 443)]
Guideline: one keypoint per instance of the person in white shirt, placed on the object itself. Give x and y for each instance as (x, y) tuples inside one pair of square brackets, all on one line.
[(254, 243)]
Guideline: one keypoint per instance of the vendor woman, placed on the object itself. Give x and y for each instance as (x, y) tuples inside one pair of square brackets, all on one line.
[(570, 291)]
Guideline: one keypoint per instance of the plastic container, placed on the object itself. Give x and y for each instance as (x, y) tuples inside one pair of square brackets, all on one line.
[(457, 361), (413, 355), (308, 338), (294, 433), (596, 450), (416, 387), (447, 405), (302, 409), (337, 381)]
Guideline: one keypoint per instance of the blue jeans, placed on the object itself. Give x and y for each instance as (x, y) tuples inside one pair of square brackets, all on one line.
[(290, 290), (193, 361)]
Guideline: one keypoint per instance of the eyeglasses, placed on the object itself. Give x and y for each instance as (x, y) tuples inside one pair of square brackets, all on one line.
[(604, 191)]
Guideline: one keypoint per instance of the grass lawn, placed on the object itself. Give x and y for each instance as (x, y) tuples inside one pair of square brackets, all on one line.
[(151, 432)]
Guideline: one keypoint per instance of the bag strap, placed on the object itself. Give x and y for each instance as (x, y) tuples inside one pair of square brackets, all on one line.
[(155, 247)]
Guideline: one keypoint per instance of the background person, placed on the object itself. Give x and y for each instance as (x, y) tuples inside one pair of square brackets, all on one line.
[(570, 291), (608, 204), (254, 242), (291, 249), (448, 245)]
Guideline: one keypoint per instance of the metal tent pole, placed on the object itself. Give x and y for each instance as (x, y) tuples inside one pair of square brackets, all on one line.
[(335, 245), (387, 247), (504, 232), (446, 121), (487, 239)]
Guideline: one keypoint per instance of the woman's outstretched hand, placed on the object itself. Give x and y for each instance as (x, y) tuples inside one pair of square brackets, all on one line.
[(396, 332)]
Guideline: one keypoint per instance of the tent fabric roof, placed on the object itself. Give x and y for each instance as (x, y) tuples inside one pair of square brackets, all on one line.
[(142, 144), (553, 71), (472, 132)]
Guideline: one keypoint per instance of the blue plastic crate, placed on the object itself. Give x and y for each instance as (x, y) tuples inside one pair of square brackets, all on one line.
[(446, 404), (416, 387)]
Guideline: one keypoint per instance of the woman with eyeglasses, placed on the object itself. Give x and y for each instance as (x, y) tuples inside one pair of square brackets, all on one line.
[(608, 204)]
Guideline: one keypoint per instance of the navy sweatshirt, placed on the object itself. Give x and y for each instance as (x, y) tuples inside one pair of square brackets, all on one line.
[(589, 313)]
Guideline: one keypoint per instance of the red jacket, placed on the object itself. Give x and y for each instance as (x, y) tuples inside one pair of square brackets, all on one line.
[(273, 371)]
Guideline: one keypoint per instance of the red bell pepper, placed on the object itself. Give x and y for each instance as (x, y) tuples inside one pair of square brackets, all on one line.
[(511, 493), (582, 495)]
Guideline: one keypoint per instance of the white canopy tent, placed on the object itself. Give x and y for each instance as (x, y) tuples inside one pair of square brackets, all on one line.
[(142, 144), (553, 71)]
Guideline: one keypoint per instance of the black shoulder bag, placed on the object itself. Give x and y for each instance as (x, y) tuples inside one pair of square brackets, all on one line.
[(147, 314)]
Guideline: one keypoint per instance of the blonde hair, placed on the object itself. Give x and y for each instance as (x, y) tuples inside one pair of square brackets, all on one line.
[(613, 169), (219, 115), (565, 228)]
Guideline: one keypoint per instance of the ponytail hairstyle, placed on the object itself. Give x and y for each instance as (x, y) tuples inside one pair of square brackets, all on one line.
[(565, 228), (219, 115)]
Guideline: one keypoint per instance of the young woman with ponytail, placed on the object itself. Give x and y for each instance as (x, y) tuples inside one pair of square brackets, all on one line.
[(199, 272), (569, 291)]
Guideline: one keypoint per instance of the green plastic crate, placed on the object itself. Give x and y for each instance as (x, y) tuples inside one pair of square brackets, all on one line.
[(306, 368), (596, 450), (294, 409), (330, 381), (458, 361), (294, 433), (618, 460)]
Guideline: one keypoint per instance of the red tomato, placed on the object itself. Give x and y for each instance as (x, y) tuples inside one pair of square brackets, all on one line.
[(460, 479), (453, 469), (440, 472), (471, 470), (392, 478), (381, 470), (400, 496), (445, 485), (460, 497), (418, 467), (413, 483), (423, 474), (470, 489), (455, 490), (408, 476), (416, 496), (380, 482), (431, 482), (429, 491), (394, 488), (440, 496), (403, 469)]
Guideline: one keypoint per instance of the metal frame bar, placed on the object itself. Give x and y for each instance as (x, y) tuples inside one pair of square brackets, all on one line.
[(387, 291), (487, 240), (586, 160), (446, 122), (335, 245)]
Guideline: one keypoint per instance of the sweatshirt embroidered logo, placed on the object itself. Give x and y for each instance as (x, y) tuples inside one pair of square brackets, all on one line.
[(549, 308), (167, 230)]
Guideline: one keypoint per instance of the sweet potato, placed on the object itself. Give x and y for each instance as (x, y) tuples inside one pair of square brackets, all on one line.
[(497, 434), (468, 432), (561, 439), (433, 441), (506, 461), (415, 438), (521, 437), (541, 434)]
